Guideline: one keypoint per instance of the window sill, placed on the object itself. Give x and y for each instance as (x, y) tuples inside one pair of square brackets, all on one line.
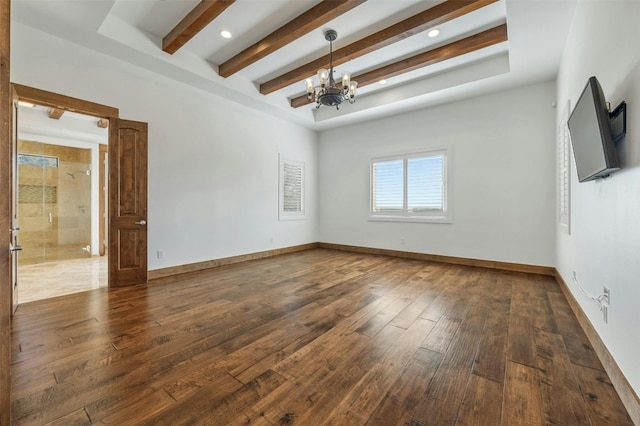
[(417, 219), (292, 217)]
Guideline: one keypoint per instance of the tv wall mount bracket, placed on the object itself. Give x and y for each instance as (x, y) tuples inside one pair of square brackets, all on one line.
[(618, 122)]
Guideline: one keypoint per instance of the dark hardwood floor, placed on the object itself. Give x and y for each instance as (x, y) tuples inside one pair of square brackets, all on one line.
[(318, 337)]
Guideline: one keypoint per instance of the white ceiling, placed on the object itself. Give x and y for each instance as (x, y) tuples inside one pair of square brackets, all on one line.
[(132, 30), (71, 129)]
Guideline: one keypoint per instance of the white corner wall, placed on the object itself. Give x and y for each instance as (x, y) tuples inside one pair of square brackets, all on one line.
[(603, 246), (503, 178), (213, 164)]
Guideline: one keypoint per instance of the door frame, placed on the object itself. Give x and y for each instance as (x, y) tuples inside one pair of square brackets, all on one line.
[(103, 113), (127, 274), (6, 298), (67, 103)]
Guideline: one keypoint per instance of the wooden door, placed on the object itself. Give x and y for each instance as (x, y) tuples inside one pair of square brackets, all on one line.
[(127, 202), (5, 214)]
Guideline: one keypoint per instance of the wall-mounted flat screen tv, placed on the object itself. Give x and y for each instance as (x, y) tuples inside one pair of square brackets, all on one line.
[(591, 137)]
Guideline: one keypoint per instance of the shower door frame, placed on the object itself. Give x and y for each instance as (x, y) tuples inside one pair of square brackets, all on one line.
[(64, 230)]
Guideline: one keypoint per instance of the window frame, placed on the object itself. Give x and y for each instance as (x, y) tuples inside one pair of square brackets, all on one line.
[(441, 216), (282, 213)]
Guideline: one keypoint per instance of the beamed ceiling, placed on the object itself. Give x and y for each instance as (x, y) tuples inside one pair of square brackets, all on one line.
[(483, 46)]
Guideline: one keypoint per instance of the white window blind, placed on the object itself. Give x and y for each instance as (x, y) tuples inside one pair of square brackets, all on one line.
[(411, 187), (388, 179), (425, 184), (291, 189)]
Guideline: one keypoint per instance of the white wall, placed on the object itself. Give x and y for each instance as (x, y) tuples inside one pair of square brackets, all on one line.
[(604, 244), (503, 178), (213, 164)]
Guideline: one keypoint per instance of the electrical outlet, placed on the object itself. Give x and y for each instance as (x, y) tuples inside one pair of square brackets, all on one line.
[(607, 295), (160, 254)]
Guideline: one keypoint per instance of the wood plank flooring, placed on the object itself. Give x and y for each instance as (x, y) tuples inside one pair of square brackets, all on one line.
[(320, 337)]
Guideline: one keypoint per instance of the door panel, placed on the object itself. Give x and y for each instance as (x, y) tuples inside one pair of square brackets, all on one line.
[(6, 277), (102, 213), (127, 203)]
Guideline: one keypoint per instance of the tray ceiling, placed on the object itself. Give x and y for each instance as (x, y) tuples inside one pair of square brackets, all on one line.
[(483, 46)]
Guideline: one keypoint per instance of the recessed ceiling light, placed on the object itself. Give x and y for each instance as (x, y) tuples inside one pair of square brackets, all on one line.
[(225, 34), (383, 81), (434, 33)]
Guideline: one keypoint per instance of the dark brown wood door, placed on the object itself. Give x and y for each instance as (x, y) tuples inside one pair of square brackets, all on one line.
[(127, 202)]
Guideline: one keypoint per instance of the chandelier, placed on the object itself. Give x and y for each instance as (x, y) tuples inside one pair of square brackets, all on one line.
[(328, 92)]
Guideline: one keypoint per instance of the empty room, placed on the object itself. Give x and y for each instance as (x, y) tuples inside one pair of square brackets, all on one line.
[(322, 212)]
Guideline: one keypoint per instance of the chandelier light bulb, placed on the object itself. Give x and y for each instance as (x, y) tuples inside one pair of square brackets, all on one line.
[(323, 76), (352, 89), (346, 78)]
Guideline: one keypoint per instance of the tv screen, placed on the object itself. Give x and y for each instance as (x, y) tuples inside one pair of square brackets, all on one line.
[(593, 146)]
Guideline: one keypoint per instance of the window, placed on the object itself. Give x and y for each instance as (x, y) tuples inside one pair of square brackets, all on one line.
[(37, 160), (412, 187), (291, 189)]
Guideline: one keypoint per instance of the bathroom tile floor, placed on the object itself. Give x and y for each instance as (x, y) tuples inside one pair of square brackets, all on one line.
[(51, 279)]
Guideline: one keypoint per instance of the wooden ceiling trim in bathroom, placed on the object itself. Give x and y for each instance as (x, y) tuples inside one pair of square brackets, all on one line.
[(55, 113)]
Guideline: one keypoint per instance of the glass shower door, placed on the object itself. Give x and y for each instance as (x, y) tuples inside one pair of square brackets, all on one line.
[(54, 202), (73, 219)]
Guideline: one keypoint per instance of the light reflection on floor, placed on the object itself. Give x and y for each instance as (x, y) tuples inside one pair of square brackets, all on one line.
[(50, 279)]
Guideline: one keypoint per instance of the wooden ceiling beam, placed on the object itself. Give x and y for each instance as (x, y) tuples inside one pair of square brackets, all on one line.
[(55, 113), (201, 16), (423, 21), (466, 45), (313, 18)]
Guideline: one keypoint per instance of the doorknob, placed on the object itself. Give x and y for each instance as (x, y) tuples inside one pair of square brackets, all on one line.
[(141, 222), (13, 248)]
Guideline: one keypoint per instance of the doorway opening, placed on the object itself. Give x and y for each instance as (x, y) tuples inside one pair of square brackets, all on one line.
[(125, 199), (62, 199)]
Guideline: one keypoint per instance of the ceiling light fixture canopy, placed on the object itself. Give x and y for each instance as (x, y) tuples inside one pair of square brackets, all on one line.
[(328, 92)]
